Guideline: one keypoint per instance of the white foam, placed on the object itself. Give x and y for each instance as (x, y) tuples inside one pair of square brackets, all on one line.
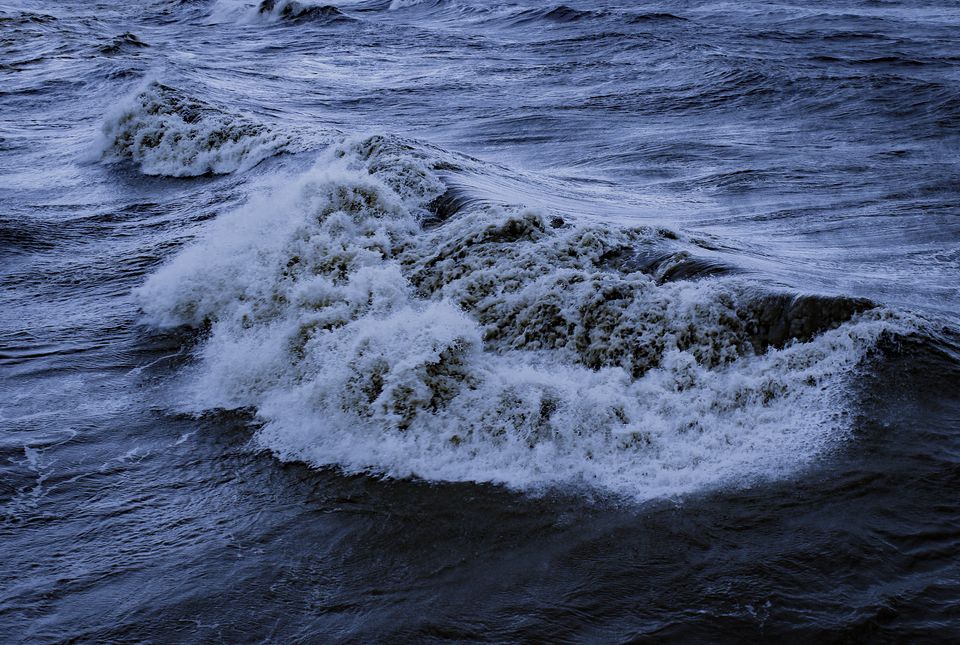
[(493, 347)]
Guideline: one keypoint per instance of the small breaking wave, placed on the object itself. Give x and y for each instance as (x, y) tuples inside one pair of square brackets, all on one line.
[(502, 344), (164, 132), (301, 11)]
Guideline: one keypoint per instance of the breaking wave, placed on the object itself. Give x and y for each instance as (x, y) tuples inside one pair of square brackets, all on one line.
[(375, 327), (164, 132)]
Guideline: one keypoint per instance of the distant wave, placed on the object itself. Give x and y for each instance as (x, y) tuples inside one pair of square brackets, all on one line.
[(378, 323), (164, 132), (14, 18), (562, 14), (518, 15), (559, 13)]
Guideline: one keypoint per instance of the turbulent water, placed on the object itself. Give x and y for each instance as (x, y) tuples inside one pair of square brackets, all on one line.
[(463, 321)]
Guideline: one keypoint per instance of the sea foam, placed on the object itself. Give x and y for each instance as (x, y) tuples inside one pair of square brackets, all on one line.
[(501, 344)]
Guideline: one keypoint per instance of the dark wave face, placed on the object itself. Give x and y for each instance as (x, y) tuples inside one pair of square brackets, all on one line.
[(449, 320)]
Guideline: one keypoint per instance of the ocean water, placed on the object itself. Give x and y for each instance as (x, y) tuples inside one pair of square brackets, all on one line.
[(462, 321)]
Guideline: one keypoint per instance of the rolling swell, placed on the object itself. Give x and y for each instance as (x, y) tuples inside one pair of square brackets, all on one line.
[(502, 344)]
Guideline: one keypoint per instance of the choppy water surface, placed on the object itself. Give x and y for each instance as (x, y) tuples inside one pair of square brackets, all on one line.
[(467, 321)]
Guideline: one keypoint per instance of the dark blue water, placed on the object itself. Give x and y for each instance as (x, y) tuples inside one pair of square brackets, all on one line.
[(462, 321)]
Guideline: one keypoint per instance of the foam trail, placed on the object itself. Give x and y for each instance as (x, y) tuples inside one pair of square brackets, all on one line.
[(502, 345)]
